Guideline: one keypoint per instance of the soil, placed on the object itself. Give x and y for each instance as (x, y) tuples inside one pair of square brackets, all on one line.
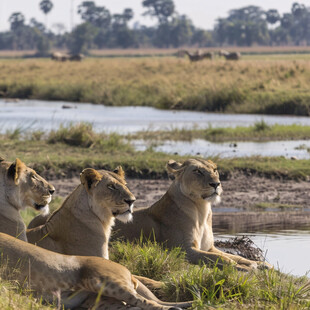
[(240, 191)]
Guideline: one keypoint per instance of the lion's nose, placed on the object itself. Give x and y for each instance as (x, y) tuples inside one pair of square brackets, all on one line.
[(215, 185), (52, 191), (129, 201)]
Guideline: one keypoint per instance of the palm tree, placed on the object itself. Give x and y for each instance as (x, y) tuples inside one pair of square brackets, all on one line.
[(46, 6)]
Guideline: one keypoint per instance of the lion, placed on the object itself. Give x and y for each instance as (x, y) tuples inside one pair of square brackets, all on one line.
[(51, 273), (82, 225), (183, 216), (20, 187), (92, 208)]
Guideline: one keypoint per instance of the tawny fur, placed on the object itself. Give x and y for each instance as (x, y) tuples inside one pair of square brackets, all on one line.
[(50, 273), (82, 225), (183, 216), (20, 187)]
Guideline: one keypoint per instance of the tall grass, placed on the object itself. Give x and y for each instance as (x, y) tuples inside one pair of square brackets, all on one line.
[(252, 85), (226, 288)]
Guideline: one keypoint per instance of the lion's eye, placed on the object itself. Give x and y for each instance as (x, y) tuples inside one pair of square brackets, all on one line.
[(112, 187), (198, 171), (33, 176)]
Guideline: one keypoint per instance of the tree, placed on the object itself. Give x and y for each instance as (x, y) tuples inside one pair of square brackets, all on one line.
[(244, 26), (46, 6), (121, 35), (16, 20), (81, 38), (162, 9), (98, 16), (272, 16)]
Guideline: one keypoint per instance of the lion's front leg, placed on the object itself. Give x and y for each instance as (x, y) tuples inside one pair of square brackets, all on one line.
[(243, 262), (195, 256)]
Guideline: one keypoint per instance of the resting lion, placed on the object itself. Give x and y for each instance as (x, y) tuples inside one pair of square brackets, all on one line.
[(82, 225), (183, 216), (20, 187), (48, 272)]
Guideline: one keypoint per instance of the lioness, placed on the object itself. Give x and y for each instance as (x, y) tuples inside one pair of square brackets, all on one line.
[(50, 272), (85, 219), (183, 216), (20, 187), (82, 225)]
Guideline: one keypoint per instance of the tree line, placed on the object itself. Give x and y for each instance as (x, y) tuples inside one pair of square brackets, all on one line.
[(101, 29)]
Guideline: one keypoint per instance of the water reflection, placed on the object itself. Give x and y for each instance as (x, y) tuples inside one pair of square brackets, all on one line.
[(288, 250), (47, 115), (298, 149)]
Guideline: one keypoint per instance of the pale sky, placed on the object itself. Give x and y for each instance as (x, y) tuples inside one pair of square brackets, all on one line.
[(202, 12)]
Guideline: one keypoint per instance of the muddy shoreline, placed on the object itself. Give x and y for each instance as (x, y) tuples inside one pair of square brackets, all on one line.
[(236, 212)]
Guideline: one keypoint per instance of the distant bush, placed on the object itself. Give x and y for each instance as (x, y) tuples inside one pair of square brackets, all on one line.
[(83, 135)]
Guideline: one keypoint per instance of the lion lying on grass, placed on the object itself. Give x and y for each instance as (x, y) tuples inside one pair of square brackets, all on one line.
[(183, 216), (50, 273), (20, 187)]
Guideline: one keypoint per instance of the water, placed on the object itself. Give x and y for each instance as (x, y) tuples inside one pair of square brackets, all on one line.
[(47, 115), (288, 250), (205, 148)]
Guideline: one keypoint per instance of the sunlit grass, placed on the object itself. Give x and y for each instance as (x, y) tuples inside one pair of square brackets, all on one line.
[(251, 85), (226, 289)]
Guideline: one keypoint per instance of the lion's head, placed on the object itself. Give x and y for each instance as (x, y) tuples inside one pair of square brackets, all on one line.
[(24, 187), (198, 178), (108, 194)]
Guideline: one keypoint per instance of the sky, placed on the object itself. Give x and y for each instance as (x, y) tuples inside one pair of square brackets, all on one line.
[(202, 12)]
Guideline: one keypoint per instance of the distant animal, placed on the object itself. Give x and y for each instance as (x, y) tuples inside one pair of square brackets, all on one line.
[(57, 56), (198, 56), (183, 216), (230, 55), (76, 57), (20, 187), (50, 273)]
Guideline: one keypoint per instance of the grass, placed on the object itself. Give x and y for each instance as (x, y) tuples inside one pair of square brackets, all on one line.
[(12, 298), (252, 85), (260, 131), (67, 151), (226, 289)]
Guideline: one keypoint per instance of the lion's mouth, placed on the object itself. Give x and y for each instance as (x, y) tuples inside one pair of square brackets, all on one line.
[(206, 196), (116, 213), (39, 206)]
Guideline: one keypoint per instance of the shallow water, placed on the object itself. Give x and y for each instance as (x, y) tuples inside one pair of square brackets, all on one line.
[(47, 115), (288, 250), (227, 150)]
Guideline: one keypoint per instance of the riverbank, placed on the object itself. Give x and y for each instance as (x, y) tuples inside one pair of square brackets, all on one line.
[(259, 132), (247, 86)]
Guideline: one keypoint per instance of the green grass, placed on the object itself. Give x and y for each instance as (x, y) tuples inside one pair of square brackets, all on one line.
[(252, 85), (226, 289), (12, 297), (260, 131), (63, 159)]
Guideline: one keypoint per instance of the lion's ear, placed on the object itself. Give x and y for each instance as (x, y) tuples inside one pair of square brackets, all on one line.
[(119, 170), (1, 159), (174, 168), (89, 177), (15, 170)]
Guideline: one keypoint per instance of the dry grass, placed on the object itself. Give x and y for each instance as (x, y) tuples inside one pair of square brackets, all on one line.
[(252, 85)]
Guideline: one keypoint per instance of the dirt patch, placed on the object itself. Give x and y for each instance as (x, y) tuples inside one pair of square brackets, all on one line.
[(240, 191)]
